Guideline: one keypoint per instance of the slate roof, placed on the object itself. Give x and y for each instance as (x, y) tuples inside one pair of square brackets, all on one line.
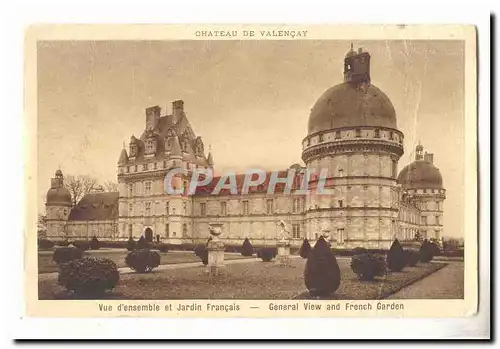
[(96, 206), (208, 189)]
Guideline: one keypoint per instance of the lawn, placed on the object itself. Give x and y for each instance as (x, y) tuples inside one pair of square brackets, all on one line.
[(256, 280), (46, 265)]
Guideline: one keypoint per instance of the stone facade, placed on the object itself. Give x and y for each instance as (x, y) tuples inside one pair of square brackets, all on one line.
[(352, 136)]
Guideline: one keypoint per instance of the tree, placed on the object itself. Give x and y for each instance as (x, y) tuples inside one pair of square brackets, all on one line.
[(111, 186), (41, 226), (79, 186), (322, 272), (396, 258)]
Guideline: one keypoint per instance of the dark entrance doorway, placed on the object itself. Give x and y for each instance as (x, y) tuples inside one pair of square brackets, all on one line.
[(148, 235)]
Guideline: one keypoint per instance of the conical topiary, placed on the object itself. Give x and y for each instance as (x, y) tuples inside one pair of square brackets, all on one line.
[(142, 243), (246, 248), (305, 249), (396, 258), (94, 243), (427, 251), (322, 273)]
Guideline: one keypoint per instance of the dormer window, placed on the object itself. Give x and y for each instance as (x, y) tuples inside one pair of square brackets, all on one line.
[(377, 133), (320, 138), (337, 134), (358, 132)]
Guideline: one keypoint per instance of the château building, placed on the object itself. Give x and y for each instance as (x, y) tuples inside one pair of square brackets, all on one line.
[(352, 133)]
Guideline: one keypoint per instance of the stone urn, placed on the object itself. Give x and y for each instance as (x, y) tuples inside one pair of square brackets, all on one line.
[(215, 249)]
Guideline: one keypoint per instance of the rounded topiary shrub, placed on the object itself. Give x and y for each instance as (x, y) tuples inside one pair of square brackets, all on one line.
[(267, 253), (89, 276), (143, 260), (163, 248), (358, 250), (367, 266), (66, 254), (396, 259), (45, 244), (201, 252), (131, 245), (305, 249), (82, 245), (94, 244), (322, 273), (142, 243), (412, 257), (247, 248)]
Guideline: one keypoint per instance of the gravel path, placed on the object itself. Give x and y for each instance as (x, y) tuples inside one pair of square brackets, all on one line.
[(447, 283)]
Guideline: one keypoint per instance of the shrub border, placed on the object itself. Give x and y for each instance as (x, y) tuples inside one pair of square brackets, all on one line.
[(305, 295)]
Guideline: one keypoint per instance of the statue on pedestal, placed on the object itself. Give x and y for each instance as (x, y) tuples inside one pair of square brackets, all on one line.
[(285, 234)]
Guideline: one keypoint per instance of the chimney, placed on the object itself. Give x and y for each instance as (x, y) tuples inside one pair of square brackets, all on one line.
[(429, 157), (152, 116), (177, 110)]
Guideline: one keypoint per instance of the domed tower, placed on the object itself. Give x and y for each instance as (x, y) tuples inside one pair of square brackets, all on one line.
[(422, 181), (57, 206), (353, 138)]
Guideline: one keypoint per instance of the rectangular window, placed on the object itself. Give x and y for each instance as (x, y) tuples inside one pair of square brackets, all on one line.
[(145, 167), (167, 208), (295, 206), (341, 203), (130, 209), (223, 208), (147, 188), (358, 132), (296, 231), (128, 169), (269, 207), (164, 163), (130, 230), (337, 134), (245, 208), (184, 230), (148, 209), (167, 230), (320, 137), (203, 209), (340, 235), (394, 168), (155, 166), (184, 208), (437, 220), (135, 168), (377, 133), (131, 190)]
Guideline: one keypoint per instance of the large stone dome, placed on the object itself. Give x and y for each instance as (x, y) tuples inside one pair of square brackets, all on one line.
[(420, 174), (352, 104), (59, 196)]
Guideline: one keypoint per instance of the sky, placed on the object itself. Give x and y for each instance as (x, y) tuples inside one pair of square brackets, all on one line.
[(248, 100)]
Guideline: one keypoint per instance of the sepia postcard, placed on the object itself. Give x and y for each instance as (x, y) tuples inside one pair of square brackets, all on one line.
[(251, 171)]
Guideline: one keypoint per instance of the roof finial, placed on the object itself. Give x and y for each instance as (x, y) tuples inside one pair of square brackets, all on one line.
[(352, 46)]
